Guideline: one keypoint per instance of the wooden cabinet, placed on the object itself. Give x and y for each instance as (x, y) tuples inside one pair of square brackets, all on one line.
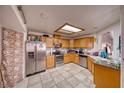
[(77, 60), (67, 58), (83, 43), (71, 44), (50, 61), (57, 40), (87, 42), (77, 43), (90, 64), (71, 58), (65, 43), (105, 77), (49, 43)]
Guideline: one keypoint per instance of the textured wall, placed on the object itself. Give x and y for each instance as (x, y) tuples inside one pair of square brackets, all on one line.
[(1, 82), (12, 61)]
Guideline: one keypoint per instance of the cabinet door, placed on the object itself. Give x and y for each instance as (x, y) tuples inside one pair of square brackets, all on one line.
[(77, 60), (67, 43), (67, 60), (50, 61), (89, 64), (83, 43), (92, 68), (71, 44), (56, 40), (63, 43), (49, 42), (77, 43)]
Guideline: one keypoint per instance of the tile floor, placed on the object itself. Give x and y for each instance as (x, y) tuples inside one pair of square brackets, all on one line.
[(65, 76)]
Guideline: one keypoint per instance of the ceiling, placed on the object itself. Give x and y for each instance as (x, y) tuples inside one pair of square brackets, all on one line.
[(92, 18)]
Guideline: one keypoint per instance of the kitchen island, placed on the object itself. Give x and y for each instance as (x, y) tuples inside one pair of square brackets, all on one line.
[(106, 72)]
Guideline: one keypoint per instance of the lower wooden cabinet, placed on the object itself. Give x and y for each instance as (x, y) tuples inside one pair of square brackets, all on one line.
[(90, 64), (73, 58), (105, 77), (76, 60), (67, 58), (50, 61)]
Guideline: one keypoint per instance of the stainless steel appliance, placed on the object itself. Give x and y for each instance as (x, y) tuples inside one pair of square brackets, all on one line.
[(59, 56), (35, 57), (59, 59), (83, 60)]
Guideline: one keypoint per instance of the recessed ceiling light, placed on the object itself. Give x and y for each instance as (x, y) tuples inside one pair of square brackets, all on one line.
[(69, 29)]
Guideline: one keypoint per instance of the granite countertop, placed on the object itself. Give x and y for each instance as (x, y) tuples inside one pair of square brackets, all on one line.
[(115, 64)]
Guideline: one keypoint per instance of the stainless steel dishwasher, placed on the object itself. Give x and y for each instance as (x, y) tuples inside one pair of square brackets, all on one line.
[(83, 61)]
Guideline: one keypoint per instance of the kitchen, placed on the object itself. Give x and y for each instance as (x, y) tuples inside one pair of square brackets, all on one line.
[(85, 43)]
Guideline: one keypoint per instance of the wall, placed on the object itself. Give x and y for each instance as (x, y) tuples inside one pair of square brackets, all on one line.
[(12, 54), (115, 30), (1, 82), (122, 34), (10, 19)]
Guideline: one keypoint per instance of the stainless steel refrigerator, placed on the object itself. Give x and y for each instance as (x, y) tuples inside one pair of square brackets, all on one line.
[(35, 57)]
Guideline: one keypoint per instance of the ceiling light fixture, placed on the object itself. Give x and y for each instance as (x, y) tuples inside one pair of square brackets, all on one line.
[(69, 29)]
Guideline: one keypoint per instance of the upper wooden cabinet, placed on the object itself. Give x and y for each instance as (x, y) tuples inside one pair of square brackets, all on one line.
[(77, 43), (71, 44), (56, 40), (87, 42), (65, 43), (49, 42)]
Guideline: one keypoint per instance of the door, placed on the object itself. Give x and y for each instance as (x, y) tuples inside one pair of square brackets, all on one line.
[(30, 58), (40, 57)]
